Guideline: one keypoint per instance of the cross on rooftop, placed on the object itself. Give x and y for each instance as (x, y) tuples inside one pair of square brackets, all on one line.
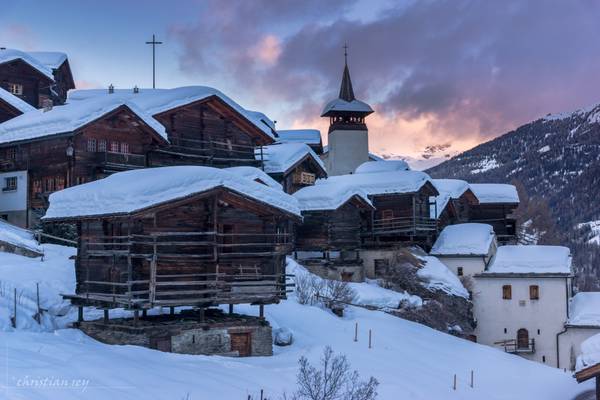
[(154, 43)]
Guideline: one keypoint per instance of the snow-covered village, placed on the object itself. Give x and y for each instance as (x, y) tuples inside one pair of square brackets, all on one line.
[(345, 200)]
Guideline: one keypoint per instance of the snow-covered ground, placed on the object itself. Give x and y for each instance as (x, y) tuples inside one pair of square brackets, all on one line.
[(410, 360)]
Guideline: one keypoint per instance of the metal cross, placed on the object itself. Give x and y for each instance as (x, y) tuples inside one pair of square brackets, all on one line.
[(346, 53), (154, 43)]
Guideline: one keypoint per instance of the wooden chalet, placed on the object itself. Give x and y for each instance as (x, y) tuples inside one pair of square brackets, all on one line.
[(177, 236), (293, 165), (102, 132), (71, 145), (402, 201), (40, 79), (496, 204), (454, 203), (330, 234)]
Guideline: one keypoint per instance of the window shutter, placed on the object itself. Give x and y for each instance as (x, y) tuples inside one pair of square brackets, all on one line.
[(534, 292), (507, 292)]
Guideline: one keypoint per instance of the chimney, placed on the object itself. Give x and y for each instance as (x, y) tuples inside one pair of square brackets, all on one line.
[(2, 48), (136, 89), (111, 89)]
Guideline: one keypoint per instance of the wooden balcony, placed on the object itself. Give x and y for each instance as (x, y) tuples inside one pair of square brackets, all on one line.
[(413, 226), (212, 152), (515, 346), (114, 162)]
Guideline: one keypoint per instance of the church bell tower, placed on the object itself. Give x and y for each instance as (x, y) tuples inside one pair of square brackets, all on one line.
[(348, 137)]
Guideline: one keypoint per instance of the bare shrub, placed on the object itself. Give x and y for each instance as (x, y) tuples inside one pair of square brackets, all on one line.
[(333, 381), (307, 288), (338, 293)]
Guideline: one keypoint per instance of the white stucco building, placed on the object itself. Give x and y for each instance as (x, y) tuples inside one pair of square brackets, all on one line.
[(348, 136), (583, 322), (466, 249), (13, 197), (520, 301)]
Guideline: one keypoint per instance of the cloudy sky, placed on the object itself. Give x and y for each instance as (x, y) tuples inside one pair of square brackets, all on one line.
[(455, 72)]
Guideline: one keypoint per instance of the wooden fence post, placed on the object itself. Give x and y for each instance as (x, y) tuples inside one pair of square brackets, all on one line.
[(369, 338), (356, 332), (13, 320), (471, 378), (454, 387)]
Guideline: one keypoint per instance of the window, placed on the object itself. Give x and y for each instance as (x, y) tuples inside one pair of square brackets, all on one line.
[(16, 89), (459, 271), (48, 185), (543, 359), (306, 178), (37, 186), (60, 183), (102, 145), (125, 148), (11, 153), (507, 292), (80, 180), (505, 330), (114, 147), (534, 292), (10, 184), (387, 214), (91, 145)]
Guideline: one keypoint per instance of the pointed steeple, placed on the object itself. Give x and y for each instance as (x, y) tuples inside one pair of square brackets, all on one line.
[(346, 91)]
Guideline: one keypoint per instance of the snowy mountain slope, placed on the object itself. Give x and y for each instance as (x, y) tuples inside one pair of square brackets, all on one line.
[(410, 360)]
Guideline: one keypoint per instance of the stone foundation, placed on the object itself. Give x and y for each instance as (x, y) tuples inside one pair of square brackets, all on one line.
[(188, 333)]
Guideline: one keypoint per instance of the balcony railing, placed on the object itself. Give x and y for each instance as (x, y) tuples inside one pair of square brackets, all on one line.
[(514, 346), (213, 151), (120, 161), (407, 225)]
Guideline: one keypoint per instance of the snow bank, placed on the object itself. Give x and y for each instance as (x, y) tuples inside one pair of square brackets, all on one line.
[(281, 157), (368, 293), (495, 193), (255, 174), (70, 117), (470, 239), (18, 236), (328, 197), (380, 182), (130, 191), (531, 260), (436, 275), (404, 357), (308, 136), (584, 309), (382, 166), (15, 102)]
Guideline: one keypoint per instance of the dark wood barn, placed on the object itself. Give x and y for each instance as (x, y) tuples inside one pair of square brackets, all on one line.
[(193, 247), (497, 203)]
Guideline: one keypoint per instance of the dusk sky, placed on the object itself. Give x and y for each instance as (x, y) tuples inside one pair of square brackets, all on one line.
[(436, 72)]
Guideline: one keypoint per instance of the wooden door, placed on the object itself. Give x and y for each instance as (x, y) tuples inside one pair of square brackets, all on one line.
[(240, 342), (522, 338), (162, 343)]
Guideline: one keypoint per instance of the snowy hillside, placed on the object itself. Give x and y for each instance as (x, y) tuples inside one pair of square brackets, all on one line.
[(409, 360)]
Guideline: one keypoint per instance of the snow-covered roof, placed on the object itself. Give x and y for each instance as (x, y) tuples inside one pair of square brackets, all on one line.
[(495, 193), (135, 190), (513, 259), (18, 237), (51, 59), (449, 189), (369, 167), (328, 197), (590, 352), (280, 157), (156, 101), (436, 275), (15, 102), (469, 239), (8, 55), (349, 106), (70, 117), (308, 136), (381, 182), (584, 309), (254, 174)]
